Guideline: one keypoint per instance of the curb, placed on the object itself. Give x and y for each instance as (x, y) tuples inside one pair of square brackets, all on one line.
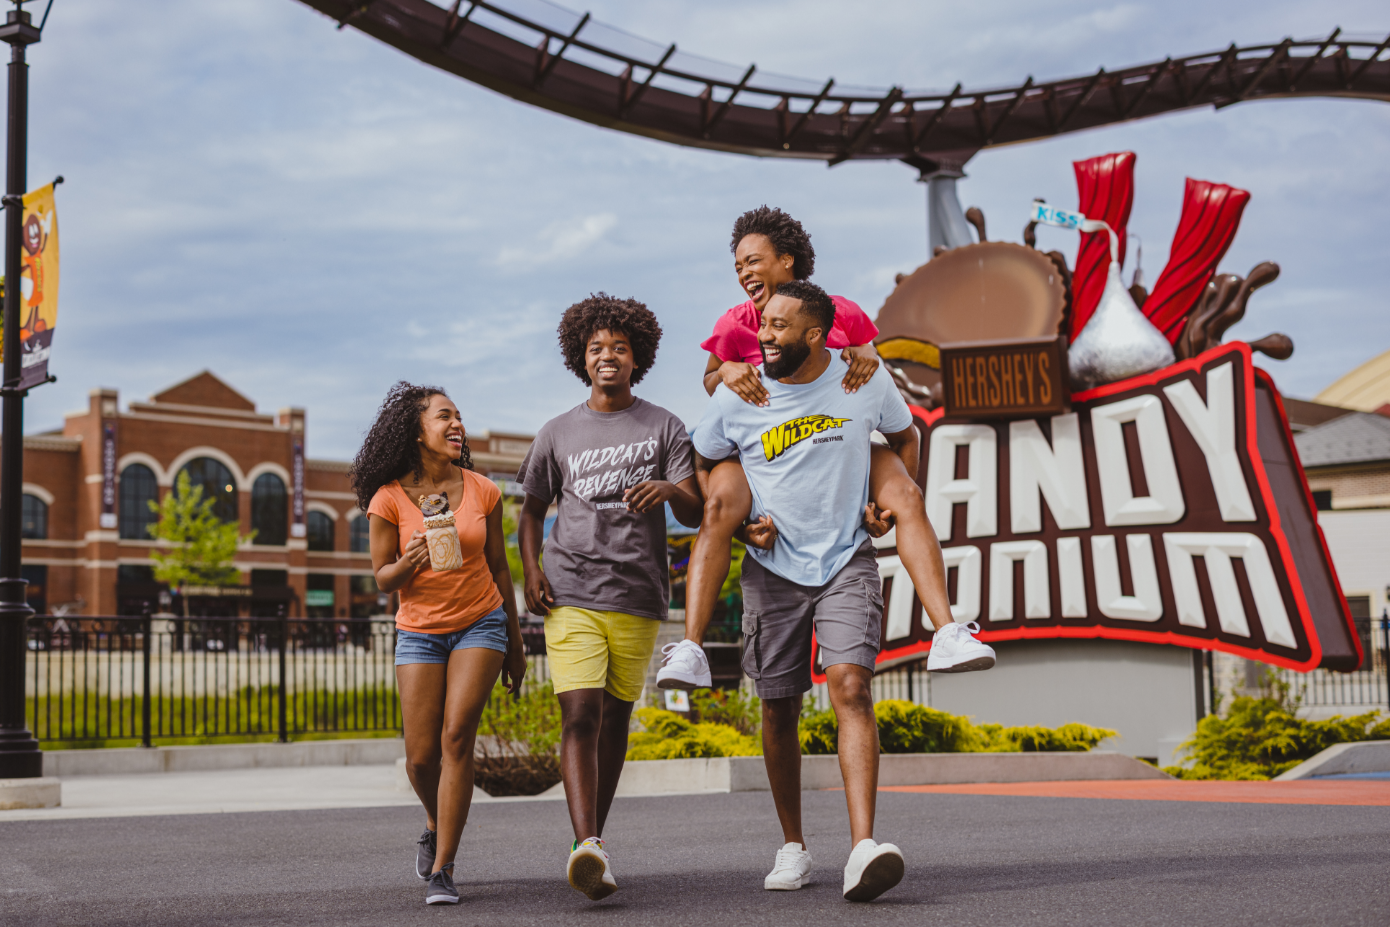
[(124, 761), (1368, 756), (45, 792)]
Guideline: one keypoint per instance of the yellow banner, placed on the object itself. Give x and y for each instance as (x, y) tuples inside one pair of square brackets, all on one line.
[(38, 284)]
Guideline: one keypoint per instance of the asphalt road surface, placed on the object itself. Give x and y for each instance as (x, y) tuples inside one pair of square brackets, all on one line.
[(700, 860)]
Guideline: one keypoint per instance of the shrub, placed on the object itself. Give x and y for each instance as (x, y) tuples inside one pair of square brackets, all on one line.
[(668, 736), (742, 712), (1259, 738), (904, 727), (518, 740)]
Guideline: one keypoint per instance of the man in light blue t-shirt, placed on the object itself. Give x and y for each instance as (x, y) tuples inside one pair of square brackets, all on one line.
[(806, 455)]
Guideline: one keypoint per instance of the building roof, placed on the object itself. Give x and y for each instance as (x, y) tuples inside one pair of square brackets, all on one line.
[(1366, 388), (1361, 437), (1304, 414), (205, 389)]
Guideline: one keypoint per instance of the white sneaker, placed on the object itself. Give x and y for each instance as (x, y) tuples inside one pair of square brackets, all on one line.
[(954, 650), (684, 666), (588, 870), (873, 868), (791, 871)]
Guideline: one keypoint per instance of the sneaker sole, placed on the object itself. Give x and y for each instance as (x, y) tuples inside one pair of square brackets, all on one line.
[(881, 874), (969, 666), (441, 899), (586, 876), (784, 886), (685, 682)]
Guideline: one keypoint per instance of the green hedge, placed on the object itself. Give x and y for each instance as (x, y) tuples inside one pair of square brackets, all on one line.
[(668, 736), (904, 727), (1259, 738)]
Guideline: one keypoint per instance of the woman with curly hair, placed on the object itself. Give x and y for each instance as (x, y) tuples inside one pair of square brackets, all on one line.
[(456, 629), (771, 249), (614, 462)]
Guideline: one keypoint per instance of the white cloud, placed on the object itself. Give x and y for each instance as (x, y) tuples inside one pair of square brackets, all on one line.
[(560, 241)]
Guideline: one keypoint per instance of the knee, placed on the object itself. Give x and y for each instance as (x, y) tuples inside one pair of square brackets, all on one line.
[(781, 715), (457, 741), (421, 767), (852, 693), (723, 512), (899, 493), (581, 726)]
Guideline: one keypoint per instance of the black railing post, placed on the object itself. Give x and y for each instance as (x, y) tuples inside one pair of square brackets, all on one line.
[(284, 689), (20, 756), (1385, 632), (146, 647)]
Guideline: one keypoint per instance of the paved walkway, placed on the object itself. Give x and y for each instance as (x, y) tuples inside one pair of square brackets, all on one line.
[(1300, 792), (699, 860)]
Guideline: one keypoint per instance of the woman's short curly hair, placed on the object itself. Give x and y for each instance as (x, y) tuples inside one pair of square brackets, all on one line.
[(391, 449), (785, 233), (603, 312)]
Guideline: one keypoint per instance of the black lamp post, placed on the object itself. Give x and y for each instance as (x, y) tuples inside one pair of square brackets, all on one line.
[(20, 757)]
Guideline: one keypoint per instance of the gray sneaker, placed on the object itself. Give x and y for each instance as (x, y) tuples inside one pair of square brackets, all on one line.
[(425, 849), (440, 889)]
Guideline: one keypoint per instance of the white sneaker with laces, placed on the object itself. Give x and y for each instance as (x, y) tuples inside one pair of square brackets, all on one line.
[(588, 870), (955, 650), (791, 871), (684, 666), (873, 868)]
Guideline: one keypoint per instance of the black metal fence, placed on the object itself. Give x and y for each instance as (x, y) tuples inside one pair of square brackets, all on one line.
[(103, 679)]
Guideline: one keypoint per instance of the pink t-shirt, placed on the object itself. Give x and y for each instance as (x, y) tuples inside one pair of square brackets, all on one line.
[(736, 333)]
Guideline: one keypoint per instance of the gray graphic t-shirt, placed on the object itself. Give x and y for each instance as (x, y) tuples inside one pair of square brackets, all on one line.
[(600, 555)]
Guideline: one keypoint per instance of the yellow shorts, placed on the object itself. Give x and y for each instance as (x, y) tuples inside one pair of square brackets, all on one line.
[(590, 649)]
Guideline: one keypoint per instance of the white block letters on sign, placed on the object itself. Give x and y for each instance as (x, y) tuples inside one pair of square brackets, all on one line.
[(978, 490), (1147, 602), (1164, 503), (1036, 592), (1213, 426), (1216, 551), (1056, 472), (1071, 578), (967, 561)]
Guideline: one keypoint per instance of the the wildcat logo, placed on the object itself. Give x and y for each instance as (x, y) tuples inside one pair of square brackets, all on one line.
[(777, 440)]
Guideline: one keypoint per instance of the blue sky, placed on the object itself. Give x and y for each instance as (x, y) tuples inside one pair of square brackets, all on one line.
[(313, 215)]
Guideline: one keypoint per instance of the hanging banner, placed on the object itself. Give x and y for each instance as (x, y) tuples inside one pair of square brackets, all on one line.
[(108, 474), (38, 284), (297, 527)]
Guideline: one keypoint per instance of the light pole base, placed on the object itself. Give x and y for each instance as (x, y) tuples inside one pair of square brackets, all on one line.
[(42, 792)]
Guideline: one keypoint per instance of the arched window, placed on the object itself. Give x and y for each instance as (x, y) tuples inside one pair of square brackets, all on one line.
[(138, 489), (217, 484), (33, 513), (320, 530), (361, 535), (269, 510)]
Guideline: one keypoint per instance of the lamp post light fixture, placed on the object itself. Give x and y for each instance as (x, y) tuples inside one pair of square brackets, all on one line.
[(20, 756)]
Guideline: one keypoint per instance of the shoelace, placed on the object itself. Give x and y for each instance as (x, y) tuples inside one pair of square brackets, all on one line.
[(444, 875), (668, 653), (428, 838), (786, 859)]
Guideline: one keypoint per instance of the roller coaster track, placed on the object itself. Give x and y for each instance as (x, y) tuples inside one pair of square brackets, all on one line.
[(561, 61)]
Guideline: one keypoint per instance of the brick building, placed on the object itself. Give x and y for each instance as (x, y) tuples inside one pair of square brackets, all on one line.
[(86, 514)]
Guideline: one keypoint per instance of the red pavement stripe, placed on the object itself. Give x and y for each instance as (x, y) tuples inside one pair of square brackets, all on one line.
[(1301, 792)]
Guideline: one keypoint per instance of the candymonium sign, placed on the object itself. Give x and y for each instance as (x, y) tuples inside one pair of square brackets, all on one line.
[(1169, 508)]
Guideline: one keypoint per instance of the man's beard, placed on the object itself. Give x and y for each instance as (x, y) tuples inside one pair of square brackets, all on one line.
[(793, 356)]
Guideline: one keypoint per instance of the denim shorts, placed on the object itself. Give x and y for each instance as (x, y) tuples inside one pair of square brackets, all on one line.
[(488, 632)]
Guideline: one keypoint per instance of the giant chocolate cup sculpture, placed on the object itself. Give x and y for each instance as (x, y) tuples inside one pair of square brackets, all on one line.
[(989, 291), (441, 533), (1118, 341)]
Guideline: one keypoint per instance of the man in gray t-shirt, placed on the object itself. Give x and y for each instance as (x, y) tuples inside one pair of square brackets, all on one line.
[(614, 463), (600, 554)]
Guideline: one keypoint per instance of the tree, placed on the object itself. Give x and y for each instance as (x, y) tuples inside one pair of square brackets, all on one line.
[(202, 545)]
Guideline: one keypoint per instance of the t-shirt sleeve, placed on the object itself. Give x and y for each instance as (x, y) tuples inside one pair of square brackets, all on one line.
[(711, 439), (854, 322), (384, 504), (730, 341), (680, 462), (539, 474), (488, 494), (893, 413)]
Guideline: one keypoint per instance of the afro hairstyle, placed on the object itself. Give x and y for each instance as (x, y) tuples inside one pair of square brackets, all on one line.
[(785, 233), (603, 312)]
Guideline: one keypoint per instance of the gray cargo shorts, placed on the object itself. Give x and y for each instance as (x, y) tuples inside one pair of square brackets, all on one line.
[(778, 615)]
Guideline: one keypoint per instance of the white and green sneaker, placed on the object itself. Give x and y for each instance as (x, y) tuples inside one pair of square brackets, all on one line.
[(588, 870)]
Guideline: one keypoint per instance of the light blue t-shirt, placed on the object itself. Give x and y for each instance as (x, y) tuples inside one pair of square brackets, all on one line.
[(806, 455)]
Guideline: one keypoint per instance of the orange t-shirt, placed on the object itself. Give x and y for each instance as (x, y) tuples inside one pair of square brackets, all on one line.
[(444, 602)]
